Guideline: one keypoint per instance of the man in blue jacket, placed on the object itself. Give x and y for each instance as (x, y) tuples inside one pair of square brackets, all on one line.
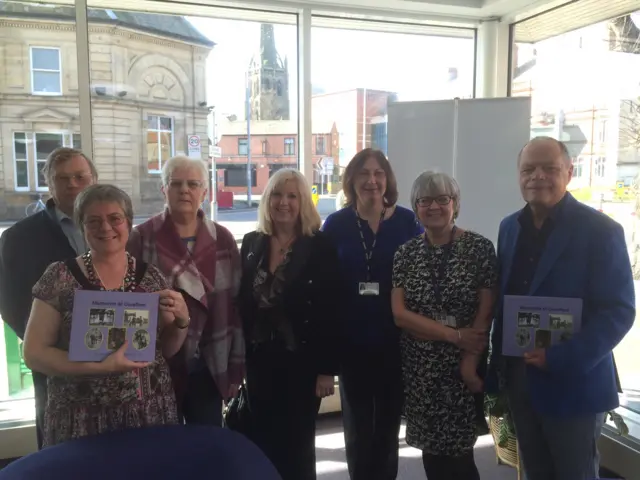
[(558, 247)]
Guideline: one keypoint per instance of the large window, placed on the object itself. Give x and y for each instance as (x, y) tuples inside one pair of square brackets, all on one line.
[(584, 86), (46, 71), (39, 110), (159, 141), (351, 89)]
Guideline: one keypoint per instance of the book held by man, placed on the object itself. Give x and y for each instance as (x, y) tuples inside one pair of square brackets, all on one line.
[(538, 322), (102, 321)]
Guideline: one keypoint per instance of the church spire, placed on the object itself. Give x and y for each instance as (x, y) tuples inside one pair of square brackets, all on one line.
[(268, 52)]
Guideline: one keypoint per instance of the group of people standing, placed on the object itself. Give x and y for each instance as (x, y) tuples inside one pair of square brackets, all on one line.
[(398, 303)]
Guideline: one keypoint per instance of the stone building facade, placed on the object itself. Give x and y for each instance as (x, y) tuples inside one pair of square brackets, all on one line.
[(148, 89)]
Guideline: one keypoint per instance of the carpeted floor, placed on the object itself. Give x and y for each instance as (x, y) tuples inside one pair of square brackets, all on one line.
[(331, 463)]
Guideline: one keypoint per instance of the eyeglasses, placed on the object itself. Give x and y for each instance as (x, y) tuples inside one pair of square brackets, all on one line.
[(80, 178), (191, 184), (95, 223), (440, 200)]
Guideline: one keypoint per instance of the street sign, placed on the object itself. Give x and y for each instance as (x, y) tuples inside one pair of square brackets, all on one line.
[(314, 195), (193, 144), (216, 152), (326, 165)]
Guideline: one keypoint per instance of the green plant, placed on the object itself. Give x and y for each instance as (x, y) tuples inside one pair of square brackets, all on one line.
[(496, 406)]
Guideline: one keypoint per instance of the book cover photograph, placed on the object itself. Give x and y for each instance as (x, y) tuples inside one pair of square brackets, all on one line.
[(538, 322), (102, 321)]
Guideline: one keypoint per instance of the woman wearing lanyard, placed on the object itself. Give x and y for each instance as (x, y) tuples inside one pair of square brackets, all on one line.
[(366, 233), (442, 299)]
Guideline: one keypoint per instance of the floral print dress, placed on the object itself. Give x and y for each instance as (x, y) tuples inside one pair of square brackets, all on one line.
[(78, 406), (439, 408)]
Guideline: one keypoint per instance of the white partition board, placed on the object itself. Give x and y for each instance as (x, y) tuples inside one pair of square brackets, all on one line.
[(420, 137), (477, 141)]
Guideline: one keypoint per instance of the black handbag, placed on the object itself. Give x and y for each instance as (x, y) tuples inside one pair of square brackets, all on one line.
[(237, 414)]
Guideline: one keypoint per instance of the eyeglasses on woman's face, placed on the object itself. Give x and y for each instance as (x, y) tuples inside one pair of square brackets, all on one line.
[(441, 200), (191, 184), (95, 223)]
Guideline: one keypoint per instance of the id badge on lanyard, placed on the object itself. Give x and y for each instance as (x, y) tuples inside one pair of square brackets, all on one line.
[(369, 287), (438, 275)]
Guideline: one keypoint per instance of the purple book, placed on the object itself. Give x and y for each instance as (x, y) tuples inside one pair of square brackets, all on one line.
[(101, 322), (538, 322)]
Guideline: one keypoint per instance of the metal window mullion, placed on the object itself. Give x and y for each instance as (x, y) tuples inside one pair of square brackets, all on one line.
[(84, 77), (305, 147)]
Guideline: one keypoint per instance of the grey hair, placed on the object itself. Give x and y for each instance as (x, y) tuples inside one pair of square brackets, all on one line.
[(61, 155), (433, 184), (101, 193), (182, 161)]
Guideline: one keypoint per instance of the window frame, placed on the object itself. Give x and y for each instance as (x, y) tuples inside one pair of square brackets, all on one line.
[(245, 143), (158, 130), (63, 134), (32, 70), (15, 162), (289, 144), (320, 140)]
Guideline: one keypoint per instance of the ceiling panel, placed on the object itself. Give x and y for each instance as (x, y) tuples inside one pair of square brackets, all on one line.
[(571, 16)]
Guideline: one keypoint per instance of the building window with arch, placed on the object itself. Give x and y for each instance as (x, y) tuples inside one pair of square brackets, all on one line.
[(46, 71), (160, 140)]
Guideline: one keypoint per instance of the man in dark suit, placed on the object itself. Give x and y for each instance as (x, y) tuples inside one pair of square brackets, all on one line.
[(557, 247), (32, 244)]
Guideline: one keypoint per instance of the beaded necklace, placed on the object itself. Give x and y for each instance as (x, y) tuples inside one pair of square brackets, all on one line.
[(128, 282)]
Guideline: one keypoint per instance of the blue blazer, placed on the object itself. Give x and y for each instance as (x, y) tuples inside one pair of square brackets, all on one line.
[(585, 257)]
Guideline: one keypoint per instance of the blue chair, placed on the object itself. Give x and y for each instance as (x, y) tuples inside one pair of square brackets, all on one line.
[(167, 452)]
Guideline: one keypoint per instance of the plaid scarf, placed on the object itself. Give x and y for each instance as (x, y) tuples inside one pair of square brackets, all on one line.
[(209, 279)]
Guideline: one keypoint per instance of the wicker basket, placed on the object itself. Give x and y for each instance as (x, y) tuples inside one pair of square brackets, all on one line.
[(508, 454)]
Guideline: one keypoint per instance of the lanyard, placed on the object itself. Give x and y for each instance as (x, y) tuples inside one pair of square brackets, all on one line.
[(369, 253), (437, 274)]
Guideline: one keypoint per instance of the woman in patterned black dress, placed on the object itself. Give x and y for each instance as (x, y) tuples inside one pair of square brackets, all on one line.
[(86, 398), (442, 299)]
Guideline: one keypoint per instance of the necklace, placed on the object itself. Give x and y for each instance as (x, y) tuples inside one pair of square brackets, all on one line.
[(94, 277), (284, 247)]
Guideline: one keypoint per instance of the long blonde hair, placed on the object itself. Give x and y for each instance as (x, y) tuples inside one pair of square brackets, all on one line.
[(309, 221)]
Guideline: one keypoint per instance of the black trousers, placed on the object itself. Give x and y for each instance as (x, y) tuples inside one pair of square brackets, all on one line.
[(372, 398), (284, 407), (202, 404), (441, 467)]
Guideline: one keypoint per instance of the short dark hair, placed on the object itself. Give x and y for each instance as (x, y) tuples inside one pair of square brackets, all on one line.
[(355, 165), (99, 193), (63, 154), (561, 145)]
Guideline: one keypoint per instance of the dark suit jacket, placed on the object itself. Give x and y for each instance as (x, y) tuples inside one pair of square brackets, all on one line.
[(26, 250), (311, 296), (585, 257)]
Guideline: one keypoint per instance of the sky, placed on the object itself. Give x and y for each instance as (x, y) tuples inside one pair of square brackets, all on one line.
[(414, 66)]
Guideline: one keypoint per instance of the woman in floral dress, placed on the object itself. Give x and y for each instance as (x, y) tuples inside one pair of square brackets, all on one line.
[(86, 398), (443, 294)]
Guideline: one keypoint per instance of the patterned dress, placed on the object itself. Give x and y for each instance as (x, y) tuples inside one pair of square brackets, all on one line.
[(439, 408), (86, 405)]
